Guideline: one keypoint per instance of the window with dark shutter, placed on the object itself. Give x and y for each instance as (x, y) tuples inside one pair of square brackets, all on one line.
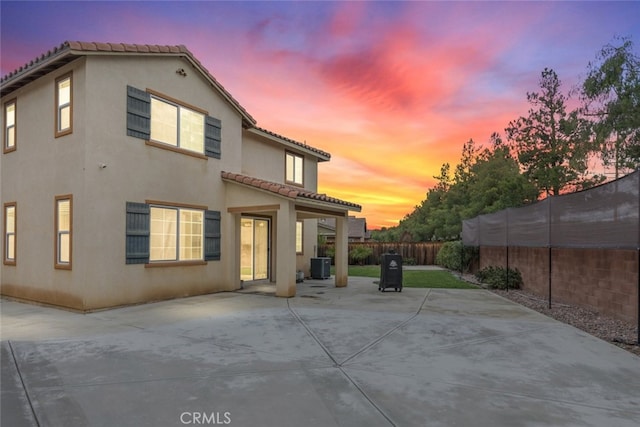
[(138, 113), (212, 235), (212, 137), (138, 230)]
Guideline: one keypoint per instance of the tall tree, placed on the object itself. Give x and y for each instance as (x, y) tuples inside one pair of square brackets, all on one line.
[(444, 179), (484, 181), (496, 182), (552, 145), (468, 158), (611, 93)]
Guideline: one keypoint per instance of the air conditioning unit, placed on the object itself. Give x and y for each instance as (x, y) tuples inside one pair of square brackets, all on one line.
[(320, 268)]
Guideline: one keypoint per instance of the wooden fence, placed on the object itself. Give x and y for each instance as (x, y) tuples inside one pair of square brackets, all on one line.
[(420, 253)]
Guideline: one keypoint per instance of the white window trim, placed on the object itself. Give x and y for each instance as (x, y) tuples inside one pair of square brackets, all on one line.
[(63, 264), (6, 147), (179, 106), (294, 157), (178, 233), (7, 233), (58, 131), (301, 235)]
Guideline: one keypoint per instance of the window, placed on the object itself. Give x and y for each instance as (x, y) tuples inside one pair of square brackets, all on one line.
[(176, 125), (63, 223), (157, 233), (173, 125), (299, 228), (10, 233), (64, 105), (10, 126), (176, 234), (294, 169)]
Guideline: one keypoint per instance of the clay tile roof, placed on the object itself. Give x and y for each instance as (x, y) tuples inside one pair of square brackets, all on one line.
[(70, 50), (285, 190), (292, 141)]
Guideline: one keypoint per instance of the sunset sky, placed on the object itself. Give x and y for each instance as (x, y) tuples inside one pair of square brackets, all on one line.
[(391, 89)]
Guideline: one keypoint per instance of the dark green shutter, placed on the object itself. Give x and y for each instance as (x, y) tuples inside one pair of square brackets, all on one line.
[(138, 230), (212, 137), (211, 235), (138, 113)]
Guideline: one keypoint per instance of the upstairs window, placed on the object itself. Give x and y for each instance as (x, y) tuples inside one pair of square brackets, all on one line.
[(10, 233), (167, 123), (177, 125), (10, 126), (294, 169), (64, 105)]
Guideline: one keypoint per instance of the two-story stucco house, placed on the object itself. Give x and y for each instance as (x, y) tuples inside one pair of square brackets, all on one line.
[(129, 174)]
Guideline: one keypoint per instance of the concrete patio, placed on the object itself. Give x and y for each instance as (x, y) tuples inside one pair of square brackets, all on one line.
[(330, 356)]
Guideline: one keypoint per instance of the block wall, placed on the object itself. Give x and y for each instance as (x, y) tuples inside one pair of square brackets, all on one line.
[(605, 280)]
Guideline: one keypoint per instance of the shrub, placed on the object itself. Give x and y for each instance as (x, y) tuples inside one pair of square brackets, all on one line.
[(496, 277), (452, 254), (330, 252), (360, 253), (449, 255)]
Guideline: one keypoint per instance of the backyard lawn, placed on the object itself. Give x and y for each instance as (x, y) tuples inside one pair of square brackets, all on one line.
[(414, 278)]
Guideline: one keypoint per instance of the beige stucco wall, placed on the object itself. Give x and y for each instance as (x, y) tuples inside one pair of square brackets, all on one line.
[(264, 158), (142, 172), (41, 168), (44, 166)]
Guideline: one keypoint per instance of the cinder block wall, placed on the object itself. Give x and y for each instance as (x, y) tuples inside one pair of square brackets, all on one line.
[(533, 263), (605, 280), (493, 256)]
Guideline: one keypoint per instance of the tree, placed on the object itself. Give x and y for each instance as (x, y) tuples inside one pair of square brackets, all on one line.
[(468, 158), (496, 183), (444, 179), (484, 181), (552, 145), (611, 93)]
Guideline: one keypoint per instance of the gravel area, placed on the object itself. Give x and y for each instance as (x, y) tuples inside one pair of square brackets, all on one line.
[(618, 332)]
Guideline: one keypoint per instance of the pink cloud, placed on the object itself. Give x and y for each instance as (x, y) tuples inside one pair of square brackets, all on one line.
[(391, 96), (346, 19)]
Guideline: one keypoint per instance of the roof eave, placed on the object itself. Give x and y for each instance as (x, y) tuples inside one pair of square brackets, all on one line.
[(289, 193), (70, 50), (327, 205), (37, 68), (247, 119), (322, 156)]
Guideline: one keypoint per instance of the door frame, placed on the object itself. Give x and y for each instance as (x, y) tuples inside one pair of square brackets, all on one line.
[(268, 221)]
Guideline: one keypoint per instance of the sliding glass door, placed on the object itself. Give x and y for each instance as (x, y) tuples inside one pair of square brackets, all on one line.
[(254, 253)]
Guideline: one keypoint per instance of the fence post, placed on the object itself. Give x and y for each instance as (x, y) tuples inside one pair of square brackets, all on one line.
[(549, 220), (507, 267), (549, 278), (507, 242), (461, 257)]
